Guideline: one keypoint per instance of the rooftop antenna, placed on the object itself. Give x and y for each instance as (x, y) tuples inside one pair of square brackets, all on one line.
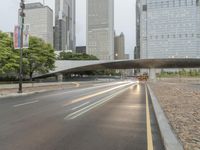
[(43, 2)]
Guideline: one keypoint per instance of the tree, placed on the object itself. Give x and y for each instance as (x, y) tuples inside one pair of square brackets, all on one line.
[(75, 56), (8, 56), (38, 58)]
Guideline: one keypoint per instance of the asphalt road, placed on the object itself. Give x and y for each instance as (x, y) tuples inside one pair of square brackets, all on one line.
[(106, 116)]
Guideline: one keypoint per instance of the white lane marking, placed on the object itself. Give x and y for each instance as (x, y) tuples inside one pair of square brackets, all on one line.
[(76, 90), (80, 106), (92, 106), (107, 84), (96, 94), (28, 103)]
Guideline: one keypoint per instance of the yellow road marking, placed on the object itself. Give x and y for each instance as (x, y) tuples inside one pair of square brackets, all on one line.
[(76, 83), (149, 133)]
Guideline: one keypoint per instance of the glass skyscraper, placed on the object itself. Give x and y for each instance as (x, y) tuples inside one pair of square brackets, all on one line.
[(169, 28), (64, 32)]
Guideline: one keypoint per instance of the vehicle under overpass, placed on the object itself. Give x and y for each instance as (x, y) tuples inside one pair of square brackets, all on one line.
[(68, 66)]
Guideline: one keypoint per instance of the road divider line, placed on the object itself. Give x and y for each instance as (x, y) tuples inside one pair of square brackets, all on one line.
[(148, 123), (80, 106), (92, 106), (96, 94), (23, 104)]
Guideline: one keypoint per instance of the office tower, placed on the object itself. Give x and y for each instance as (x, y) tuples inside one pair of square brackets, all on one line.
[(65, 38), (119, 47), (169, 29), (100, 29), (137, 48), (40, 19)]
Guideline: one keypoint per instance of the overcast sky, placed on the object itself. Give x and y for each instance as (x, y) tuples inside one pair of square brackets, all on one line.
[(124, 19)]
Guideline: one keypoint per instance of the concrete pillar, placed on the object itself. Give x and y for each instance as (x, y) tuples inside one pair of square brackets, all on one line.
[(59, 77), (152, 74)]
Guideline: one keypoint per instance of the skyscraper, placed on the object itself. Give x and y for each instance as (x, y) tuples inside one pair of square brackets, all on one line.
[(137, 48), (65, 38), (40, 19), (100, 28), (169, 29), (119, 47)]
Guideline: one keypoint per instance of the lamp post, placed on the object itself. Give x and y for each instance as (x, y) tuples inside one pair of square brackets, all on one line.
[(22, 15)]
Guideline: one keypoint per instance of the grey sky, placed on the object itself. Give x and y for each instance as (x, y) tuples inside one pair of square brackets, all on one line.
[(124, 19)]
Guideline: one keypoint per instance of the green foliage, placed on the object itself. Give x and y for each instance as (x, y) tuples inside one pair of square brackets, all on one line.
[(38, 58), (8, 56), (75, 56), (181, 73)]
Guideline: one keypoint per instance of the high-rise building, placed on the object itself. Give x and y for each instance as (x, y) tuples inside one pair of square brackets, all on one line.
[(119, 47), (137, 48), (65, 15), (169, 29), (100, 29), (40, 19)]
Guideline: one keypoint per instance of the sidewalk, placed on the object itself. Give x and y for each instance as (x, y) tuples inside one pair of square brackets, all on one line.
[(181, 104), (11, 89)]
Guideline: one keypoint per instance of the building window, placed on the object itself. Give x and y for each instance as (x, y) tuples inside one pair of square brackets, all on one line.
[(197, 2), (167, 3), (144, 7), (161, 4), (185, 2), (179, 3), (173, 3), (180, 35), (186, 35)]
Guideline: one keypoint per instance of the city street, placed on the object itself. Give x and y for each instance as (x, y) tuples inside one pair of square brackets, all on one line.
[(111, 116)]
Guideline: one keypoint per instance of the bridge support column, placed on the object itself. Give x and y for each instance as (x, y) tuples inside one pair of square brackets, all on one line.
[(152, 74), (59, 77)]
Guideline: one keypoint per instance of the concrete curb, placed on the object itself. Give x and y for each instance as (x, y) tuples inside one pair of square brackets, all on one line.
[(169, 138), (24, 94)]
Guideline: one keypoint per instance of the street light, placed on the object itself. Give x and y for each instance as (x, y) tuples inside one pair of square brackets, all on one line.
[(22, 15)]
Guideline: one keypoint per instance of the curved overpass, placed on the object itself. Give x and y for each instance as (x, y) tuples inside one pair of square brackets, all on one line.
[(76, 66)]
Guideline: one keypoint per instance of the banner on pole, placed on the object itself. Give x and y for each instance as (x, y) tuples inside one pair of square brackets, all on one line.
[(26, 36), (17, 37)]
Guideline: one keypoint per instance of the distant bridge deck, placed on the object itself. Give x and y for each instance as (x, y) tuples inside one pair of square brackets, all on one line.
[(66, 66)]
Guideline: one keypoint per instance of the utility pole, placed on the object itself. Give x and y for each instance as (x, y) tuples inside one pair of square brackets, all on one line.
[(22, 15)]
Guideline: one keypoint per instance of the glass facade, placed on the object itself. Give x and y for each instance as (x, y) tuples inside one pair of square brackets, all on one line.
[(169, 28)]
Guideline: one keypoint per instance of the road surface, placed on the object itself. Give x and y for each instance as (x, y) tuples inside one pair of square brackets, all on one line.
[(106, 116)]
